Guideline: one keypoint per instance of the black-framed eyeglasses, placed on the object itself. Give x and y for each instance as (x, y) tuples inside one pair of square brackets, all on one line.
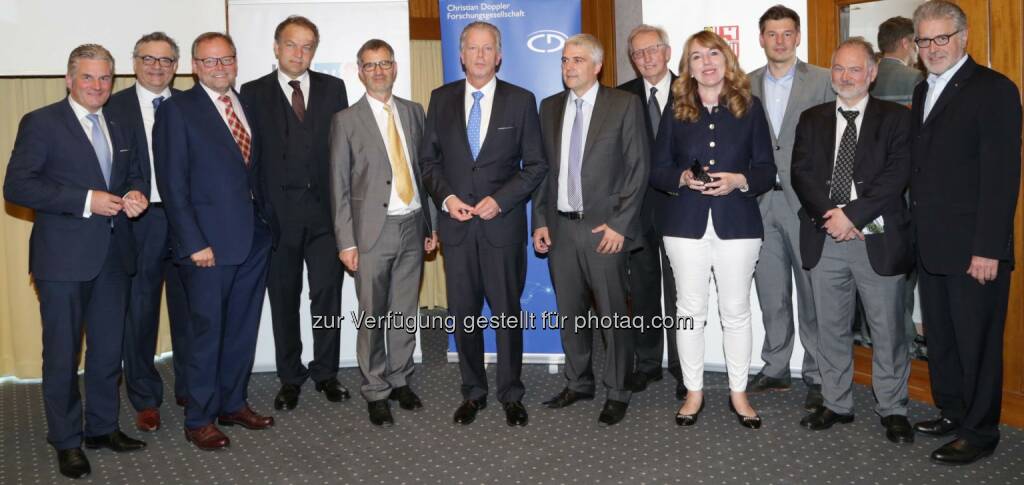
[(164, 61), (924, 42), (211, 62), (384, 65), (649, 50)]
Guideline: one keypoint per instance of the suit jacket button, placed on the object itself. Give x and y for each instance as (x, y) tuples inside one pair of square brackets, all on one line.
[(777, 148), (385, 204), (387, 182)]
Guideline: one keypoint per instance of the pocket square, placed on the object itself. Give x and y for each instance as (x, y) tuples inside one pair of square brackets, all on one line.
[(122, 150), (505, 127)]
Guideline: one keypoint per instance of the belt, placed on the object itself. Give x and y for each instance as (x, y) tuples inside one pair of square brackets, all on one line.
[(777, 186), (572, 216)]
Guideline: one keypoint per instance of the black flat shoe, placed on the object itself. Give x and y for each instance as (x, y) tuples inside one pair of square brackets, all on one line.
[(937, 427), (333, 390), (380, 415), (960, 452), (824, 418), (407, 399), (762, 383), (613, 412), (897, 429), (73, 463), (566, 397), (116, 441), (689, 419), (515, 413), (466, 412), (287, 397), (752, 422)]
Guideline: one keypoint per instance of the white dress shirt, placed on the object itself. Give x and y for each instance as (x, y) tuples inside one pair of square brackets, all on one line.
[(80, 113), (146, 98), (937, 83), (589, 98), (283, 79), (664, 86), (235, 105), (841, 127), (396, 207)]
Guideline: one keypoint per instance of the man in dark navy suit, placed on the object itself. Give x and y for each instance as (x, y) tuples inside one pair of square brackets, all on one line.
[(155, 60), (207, 167), (482, 157), (78, 170), (294, 106)]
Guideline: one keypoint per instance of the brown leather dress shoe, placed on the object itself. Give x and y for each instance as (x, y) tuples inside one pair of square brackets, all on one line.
[(148, 419), (247, 418), (207, 437)]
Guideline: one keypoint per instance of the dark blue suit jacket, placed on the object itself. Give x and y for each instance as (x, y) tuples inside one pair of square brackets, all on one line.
[(513, 135), (52, 167), (723, 143), (125, 105), (211, 198)]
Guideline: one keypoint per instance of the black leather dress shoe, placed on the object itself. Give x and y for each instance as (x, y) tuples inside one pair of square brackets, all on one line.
[(466, 413), (752, 422), (824, 418), (814, 400), (680, 391), (567, 397), (287, 397), (116, 441), (960, 452), (407, 399), (613, 412), (515, 413), (689, 419), (937, 427), (897, 429), (639, 380), (73, 463), (762, 383), (380, 415), (333, 390)]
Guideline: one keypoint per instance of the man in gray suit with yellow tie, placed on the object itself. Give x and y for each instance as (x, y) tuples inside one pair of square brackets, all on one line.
[(787, 86), (382, 221)]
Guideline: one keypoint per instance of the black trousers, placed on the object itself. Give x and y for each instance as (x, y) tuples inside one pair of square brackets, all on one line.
[(650, 276), (964, 323), (474, 270), (314, 245)]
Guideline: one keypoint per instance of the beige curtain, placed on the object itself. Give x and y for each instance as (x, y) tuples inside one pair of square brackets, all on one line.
[(20, 326)]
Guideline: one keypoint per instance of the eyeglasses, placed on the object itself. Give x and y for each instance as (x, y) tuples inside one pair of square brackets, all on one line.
[(924, 42), (211, 62), (650, 50), (164, 61), (384, 65)]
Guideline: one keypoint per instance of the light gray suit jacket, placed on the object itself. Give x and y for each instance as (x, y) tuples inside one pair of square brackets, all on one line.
[(895, 81), (812, 85), (361, 172)]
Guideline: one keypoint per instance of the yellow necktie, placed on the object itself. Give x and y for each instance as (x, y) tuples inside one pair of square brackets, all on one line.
[(399, 167)]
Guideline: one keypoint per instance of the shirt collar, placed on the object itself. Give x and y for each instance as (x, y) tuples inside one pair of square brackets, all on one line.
[(893, 59), (589, 97), (377, 106), (946, 76), (859, 107), (663, 86), (81, 111), (147, 96), (488, 88), (789, 74), (285, 79), (215, 96)]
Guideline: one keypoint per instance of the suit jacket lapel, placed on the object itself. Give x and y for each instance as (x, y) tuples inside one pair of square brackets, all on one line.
[(210, 115), (799, 79), (405, 118), (138, 124), (272, 96), (597, 118), (868, 133), (952, 87), (371, 132), (556, 131), (316, 92), (497, 113), (829, 125), (459, 119), (85, 146)]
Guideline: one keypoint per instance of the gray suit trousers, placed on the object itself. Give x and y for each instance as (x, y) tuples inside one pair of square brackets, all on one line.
[(777, 265), (388, 280), (844, 270)]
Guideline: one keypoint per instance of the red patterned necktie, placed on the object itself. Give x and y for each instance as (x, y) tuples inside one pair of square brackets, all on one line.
[(237, 128)]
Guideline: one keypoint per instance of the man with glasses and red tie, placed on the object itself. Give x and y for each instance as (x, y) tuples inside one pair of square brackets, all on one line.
[(155, 62), (294, 106), (207, 165)]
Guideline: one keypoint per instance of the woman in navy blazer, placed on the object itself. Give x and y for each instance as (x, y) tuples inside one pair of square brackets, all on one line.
[(718, 124)]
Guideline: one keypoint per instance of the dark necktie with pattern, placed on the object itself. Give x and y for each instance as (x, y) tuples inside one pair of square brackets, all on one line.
[(654, 110), (842, 173), (298, 102)]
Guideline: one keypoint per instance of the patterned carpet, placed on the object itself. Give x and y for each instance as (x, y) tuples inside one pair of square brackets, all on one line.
[(323, 442)]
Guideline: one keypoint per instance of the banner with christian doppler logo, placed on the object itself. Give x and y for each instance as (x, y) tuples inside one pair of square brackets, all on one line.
[(533, 33), (735, 21)]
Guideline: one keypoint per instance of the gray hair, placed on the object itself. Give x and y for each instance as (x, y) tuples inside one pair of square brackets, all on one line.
[(589, 42), (156, 37), (860, 42), (643, 29), (480, 25), (89, 51), (208, 36), (940, 9)]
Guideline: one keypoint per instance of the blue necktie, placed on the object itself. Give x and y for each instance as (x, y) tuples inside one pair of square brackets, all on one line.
[(99, 145), (473, 128), (575, 194), (156, 102)]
